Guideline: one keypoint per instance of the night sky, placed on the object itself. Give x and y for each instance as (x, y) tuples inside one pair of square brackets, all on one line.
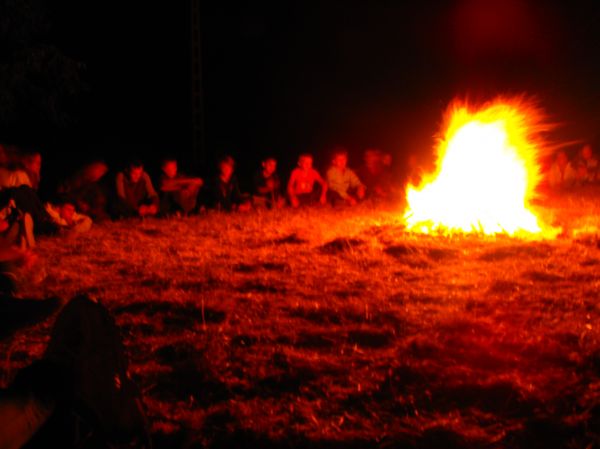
[(303, 76)]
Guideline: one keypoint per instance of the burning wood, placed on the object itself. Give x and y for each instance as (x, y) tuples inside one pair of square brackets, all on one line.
[(486, 173)]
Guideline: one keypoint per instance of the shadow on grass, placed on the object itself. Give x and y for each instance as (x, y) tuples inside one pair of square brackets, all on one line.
[(516, 251), (341, 245), (257, 267), (255, 286), (191, 378), (291, 239), (175, 315)]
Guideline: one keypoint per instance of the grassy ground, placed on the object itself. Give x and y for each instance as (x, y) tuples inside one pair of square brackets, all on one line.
[(336, 328)]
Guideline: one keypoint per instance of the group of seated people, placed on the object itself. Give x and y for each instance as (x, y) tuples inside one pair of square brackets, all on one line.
[(91, 194), (178, 194), (22, 211), (135, 193), (565, 172)]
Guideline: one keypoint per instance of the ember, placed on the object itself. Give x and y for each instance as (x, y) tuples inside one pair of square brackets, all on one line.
[(487, 172)]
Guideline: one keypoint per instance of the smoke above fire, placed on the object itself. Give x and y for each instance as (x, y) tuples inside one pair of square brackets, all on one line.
[(487, 171)]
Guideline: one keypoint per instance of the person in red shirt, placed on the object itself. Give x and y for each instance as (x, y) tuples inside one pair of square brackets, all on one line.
[(301, 186)]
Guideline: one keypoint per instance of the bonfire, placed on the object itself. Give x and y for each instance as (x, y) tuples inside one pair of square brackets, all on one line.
[(487, 172)]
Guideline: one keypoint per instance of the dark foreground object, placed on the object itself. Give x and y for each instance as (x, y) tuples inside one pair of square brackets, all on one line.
[(18, 313), (79, 394)]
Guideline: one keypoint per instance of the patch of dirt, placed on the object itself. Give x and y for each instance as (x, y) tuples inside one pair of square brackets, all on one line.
[(504, 287), (291, 239), (152, 232), (401, 251), (257, 267), (243, 341), (289, 382), (370, 338), (316, 340), (174, 314), (186, 383), (542, 276), (156, 282), (261, 287), (442, 254), (516, 251), (341, 245)]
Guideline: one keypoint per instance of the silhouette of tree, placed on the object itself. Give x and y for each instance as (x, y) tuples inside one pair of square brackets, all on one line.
[(39, 84)]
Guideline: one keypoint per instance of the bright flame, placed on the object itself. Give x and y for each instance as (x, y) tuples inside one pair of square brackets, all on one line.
[(487, 172)]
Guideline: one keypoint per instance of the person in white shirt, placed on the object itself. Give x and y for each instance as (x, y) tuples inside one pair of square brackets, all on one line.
[(562, 173), (63, 213)]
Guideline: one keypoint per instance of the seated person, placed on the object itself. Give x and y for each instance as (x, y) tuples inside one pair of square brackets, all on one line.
[(88, 190), (10, 174), (178, 193), (16, 227), (19, 270), (375, 174), (13, 178), (27, 202), (63, 213), (344, 185), (413, 170), (301, 186), (17, 260), (267, 187), (31, 162), (587, 165), (224, 190), (136, 196), (19, 267), (562, 173)]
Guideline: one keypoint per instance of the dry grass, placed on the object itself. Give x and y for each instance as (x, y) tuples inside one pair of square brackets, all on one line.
[(326, 328)]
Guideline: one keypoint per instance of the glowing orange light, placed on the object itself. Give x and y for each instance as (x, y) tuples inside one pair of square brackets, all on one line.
[(486, 173)]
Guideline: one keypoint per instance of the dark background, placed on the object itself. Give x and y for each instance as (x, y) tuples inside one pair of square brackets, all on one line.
[(302, 76)]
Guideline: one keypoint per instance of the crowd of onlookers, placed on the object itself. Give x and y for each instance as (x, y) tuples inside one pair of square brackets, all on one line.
[(570, 172), (91, 194), (94, 194)]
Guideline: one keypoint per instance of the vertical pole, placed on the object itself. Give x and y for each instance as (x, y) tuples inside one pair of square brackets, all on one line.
[(197, 95)]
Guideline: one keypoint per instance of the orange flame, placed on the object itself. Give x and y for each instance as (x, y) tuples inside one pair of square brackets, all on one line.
[(487, 172)]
